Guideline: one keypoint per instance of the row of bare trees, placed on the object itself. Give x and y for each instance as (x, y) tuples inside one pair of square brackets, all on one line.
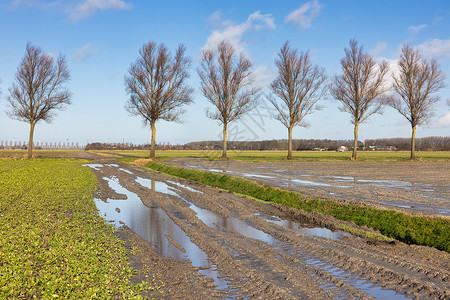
[(157, 85)]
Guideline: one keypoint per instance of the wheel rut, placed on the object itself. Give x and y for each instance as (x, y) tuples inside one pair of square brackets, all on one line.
[(205, 243)]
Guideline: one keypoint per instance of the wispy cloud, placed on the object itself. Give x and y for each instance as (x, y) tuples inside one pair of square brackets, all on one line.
[(233, 34), (416, 29), (379, 48), (443, 121), (304, 15), (85, 52), (88, 7), (435, 48)]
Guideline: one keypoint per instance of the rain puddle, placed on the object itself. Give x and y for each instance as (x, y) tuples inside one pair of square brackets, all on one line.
[(424, 208), (318, 232), (94, 166), (185, 186), (126, 171), (394, 184), (222, 223), (154, 225), (355, 281)]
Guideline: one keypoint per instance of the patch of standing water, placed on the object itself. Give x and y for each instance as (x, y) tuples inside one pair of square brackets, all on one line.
[(315, 232), (94, 166), (126, 171), (219, 222), (158, 186), (355, 281), (154, 225), (424, 208), (185, 186)]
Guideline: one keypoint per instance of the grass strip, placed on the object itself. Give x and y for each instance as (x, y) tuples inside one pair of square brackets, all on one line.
[(420, 230), (53, 243)]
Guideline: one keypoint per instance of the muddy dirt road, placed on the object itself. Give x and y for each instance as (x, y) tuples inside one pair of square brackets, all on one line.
[(410, 186), (206, 244)]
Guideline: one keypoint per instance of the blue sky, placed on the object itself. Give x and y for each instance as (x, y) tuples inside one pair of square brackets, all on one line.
[(101, 38)]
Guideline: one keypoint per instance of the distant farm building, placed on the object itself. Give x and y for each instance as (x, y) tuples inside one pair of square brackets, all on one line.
[(342, 149)]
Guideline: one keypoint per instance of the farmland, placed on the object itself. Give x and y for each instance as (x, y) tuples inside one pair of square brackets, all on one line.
[(280, 155), (52, 241), (203, 239)]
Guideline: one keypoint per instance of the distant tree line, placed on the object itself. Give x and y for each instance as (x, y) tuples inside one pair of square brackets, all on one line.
[(432, 143), (41, 145)]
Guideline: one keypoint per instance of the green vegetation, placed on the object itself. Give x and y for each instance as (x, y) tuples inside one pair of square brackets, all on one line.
[(421, 230), (53, 243), (281, 155)]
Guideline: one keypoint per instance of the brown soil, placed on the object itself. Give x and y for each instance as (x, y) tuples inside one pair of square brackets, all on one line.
[(290, 266), (270, 261)]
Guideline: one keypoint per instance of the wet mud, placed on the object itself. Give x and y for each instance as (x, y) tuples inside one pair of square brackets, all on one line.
[(205, 243), (415, 187)]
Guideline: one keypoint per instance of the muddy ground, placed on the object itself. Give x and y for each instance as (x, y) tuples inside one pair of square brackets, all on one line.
[(204, 243), (417, 187)]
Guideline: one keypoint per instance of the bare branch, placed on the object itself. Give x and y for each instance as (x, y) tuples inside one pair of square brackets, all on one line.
[(360, 87), (39, 89), (157, 85), (297, 88), (417, 81), (227, 83)]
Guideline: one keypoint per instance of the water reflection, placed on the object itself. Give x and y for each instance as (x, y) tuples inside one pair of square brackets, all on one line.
[(154, 225)]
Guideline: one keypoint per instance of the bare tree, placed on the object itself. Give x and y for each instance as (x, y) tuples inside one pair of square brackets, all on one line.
[(417, 80), (157, 86), (297, 88), (226, 82), (39, 89), (359, 87)]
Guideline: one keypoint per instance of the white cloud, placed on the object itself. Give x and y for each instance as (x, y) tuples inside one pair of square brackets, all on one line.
[(304, 15), (379, 48), (87, 7), (262, 76), (233, 33), (443, 121), (216, 21), (83, 53), (435, 48), (417, 29)]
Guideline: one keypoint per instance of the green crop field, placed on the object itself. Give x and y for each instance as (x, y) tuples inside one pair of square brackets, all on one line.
[(53, 243), (280, 155)]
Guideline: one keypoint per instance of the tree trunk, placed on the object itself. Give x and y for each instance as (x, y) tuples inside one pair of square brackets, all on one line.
[(224, 151), (30, 141), (289, 156), (413, 143), (152, 147), (355, 146)]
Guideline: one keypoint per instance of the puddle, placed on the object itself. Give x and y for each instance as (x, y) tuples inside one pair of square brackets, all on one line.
[(423, 208), (185, 186), (218, 222), (94, 166), (126, 171), (393, 184), (254, 175), (113, 165), (355, 281), (318, 232), (157, 186), (154, 225)]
